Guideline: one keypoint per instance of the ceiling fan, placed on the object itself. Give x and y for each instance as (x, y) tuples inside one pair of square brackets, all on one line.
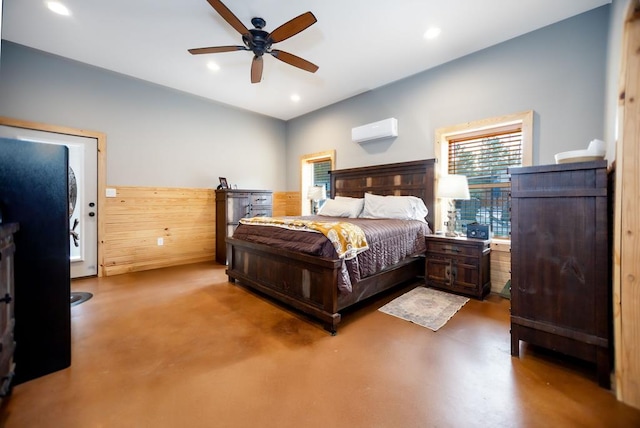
[(259, 41)]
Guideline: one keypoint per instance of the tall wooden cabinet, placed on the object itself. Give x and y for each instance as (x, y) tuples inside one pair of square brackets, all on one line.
[(231, 206), (560, 286), (7, 318)]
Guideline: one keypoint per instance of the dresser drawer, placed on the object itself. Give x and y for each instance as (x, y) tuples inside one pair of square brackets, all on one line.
[(260, 212), (261, 199), (233, 205)]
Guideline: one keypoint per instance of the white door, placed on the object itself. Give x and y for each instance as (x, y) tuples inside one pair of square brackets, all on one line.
[(83, 169)]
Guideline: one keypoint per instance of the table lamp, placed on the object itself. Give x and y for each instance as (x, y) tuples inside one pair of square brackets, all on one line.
[(316, 194), (453, 186)]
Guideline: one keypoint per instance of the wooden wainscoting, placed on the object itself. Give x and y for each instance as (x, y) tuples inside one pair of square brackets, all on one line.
[(286, 203), (500, 264), (138, 216)]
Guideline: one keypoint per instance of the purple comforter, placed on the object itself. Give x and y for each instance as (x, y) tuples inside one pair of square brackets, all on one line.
[(390, 241)]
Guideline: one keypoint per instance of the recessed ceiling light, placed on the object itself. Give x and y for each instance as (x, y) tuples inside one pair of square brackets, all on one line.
[(213, 66), (432, 33), (295, 98), (58, 8)]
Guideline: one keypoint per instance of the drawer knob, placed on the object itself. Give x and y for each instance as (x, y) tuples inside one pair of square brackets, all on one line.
[(6, 299)]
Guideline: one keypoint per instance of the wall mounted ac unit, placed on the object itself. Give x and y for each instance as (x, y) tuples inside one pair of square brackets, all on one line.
[(373, 131)]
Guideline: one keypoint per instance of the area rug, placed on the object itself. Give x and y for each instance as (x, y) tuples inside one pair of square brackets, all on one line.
[(78, 297), (425, 306)]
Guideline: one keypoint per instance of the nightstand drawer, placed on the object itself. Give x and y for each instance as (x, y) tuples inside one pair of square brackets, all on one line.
[(469, 259), (451, 249)]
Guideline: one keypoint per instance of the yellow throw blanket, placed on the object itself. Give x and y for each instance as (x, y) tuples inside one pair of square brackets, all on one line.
[(347, 238)]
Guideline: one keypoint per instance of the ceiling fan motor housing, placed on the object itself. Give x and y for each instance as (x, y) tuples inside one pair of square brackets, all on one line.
[(257, 40)]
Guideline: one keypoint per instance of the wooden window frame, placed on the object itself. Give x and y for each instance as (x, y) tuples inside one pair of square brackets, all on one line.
[(474, 128)]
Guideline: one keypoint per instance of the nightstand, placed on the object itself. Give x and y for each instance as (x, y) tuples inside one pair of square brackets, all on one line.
[(459, 265)]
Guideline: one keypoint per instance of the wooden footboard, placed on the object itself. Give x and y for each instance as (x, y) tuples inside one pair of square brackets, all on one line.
[(308, 283)]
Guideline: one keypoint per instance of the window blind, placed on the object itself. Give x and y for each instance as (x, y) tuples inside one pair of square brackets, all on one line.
[(321, 174), (485, 158)]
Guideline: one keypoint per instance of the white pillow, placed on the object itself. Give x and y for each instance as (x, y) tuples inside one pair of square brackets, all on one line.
[(342, 206), (398, 207)]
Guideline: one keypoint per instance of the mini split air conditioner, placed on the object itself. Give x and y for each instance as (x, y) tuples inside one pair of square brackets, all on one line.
[(373, 131)]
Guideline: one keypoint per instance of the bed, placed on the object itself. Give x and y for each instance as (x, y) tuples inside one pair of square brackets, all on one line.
[(310, 283)]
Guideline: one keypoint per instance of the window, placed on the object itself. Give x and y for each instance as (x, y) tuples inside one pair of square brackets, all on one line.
[(315, 172), (321, 174), (483, 151)]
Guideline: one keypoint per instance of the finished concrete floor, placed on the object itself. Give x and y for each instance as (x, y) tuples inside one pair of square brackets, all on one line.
[(182, 347)]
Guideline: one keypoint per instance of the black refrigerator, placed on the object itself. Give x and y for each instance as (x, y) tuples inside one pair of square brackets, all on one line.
[(34, 193)]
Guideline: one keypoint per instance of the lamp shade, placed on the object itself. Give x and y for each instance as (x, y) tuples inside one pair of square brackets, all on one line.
[(453, 186), (317, 193)]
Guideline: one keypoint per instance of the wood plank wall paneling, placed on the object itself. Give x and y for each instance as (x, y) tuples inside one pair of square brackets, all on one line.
[(183, 217), (626, 290), (286, 203), (500, 265)]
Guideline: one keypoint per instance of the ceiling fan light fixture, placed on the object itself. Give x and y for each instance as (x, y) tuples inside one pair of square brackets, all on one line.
[(211, 65), (58, 8), (432, 33), (295, 98)]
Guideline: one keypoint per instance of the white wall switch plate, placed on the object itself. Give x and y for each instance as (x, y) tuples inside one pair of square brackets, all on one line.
[(160, 241), (111, 192)]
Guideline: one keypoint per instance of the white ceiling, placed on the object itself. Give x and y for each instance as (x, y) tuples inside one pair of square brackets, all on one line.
[(358, 45)]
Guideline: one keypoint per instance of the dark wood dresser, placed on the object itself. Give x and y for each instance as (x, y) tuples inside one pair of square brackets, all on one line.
[(460, 265), (560, 282), (7, 320), (231, 206)]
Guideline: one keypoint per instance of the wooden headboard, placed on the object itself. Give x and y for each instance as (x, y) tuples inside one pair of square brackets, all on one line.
[(415, 178)]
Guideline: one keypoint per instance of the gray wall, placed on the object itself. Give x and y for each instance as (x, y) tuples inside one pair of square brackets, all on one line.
[(558, 71), (155, 136), (161, 137)]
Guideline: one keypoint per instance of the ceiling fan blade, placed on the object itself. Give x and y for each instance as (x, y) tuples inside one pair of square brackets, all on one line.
[(294, 60), (216, 49), (256, 69), (293, 27), (228, 16)]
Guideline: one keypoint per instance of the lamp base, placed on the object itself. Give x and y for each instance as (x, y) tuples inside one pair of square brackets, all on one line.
[(451, 224), (315, 207)]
